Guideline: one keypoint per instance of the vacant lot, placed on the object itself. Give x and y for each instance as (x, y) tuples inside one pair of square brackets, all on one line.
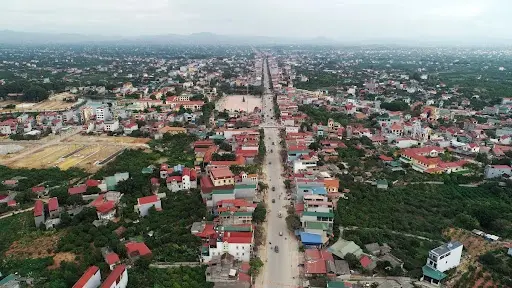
[(107, 139), (235, 102), (54, 103), (65, 156)]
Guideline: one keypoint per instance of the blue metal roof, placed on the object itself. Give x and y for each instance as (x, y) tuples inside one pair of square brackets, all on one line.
[(310, 238)]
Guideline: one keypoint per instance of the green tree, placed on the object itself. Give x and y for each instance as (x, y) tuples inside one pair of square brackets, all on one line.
[(35, 93), (259, 214), (256, 265)]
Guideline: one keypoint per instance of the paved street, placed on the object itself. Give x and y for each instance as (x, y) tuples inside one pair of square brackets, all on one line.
[(281, 268)]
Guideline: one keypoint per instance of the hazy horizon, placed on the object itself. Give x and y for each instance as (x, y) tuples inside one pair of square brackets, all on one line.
[(339, 20)]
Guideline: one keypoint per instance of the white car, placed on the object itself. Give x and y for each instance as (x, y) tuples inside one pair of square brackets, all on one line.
[(281, 233)]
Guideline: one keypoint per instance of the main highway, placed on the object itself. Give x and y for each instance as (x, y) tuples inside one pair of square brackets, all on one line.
[(281, 268)]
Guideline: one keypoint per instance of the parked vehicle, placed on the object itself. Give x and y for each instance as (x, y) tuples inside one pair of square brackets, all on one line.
[(273, 200), (281, 233), (276, 249)]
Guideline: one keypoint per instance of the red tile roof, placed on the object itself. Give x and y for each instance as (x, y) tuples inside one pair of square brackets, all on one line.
[(221, 172), (53, 204), (113, 276), (38, 208), (207, 231), (240, 160), (238, 237), (173, 178), (365, 261), (77, 189), (11, 203), (38, 189), (92, 183), (315, 267), (385, 158), (112, 258), (137, 248), (106, 207), (91, 271), (147, 200)]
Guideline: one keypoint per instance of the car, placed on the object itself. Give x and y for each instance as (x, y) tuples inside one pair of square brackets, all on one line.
[(273, 200), (273, 143), (281, 233), (271, 150), (276, 249), (273, 188)]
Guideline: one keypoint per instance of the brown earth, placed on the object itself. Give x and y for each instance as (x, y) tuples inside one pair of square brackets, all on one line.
[(474, 247), (40, 247)]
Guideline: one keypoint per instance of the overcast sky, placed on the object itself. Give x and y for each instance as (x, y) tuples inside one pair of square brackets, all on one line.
[(336, 19)]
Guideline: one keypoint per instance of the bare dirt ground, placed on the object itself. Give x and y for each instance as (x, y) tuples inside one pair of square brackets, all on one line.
[(55, 102), (107, 139), (235, 102), (69, 155), (60, 257), (42, 246), (474, 247)]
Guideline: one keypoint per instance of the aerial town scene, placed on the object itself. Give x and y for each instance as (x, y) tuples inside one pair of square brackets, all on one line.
[(309, 157)]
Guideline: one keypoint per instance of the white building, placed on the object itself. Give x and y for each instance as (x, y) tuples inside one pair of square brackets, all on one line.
[(237, 244), (90, 279), (441, 259), (111, 126), (304, 164), (144, 203), (103, 113)]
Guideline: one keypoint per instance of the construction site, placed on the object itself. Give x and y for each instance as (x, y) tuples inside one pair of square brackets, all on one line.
[(86, 152)]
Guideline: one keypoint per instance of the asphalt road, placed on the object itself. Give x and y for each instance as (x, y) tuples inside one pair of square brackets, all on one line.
[(281, 268)]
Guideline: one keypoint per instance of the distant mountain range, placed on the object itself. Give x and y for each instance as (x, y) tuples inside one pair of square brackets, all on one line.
[(15, 37)]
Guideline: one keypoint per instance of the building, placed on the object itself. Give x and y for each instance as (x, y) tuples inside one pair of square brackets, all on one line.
[(441, 259), (134, 250), (103, 113), (144, 203), (235, 243), (53, 208), (225, 271), (118, 278), (221, 176), (90, 279), (39, 213), (494, 171)]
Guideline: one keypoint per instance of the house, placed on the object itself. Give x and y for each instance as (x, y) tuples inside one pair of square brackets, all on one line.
[(235, 243), (130, 127), (187, 180), (225, 271), (39, 190), (134, 250), (221, 176), (39, 213), (382, 184), (118, 278), (144, 203), (112, 259), (90, 279), (318, 262), (441, 259), (80, 189), (367, 263), (53, 208), (105, 208), (494, 171), (343, 247)]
